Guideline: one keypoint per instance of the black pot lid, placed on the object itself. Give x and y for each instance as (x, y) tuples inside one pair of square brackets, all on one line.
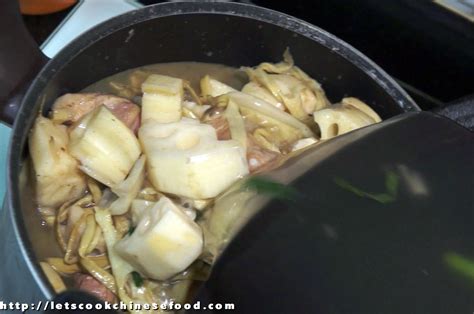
[(383, 222)]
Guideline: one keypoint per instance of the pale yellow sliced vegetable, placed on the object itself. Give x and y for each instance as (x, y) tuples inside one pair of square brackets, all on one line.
[(105, 146), (271, 134), (321, 99), (162, 98), (120, 268), (101, 260), (95, 240), (212, 87), (53, 277), (63, 216), (281, 67), (128, 190), (191, 92), (255, 89), (300, 94), (87, 236), (297, 97), (58, 179), (288, 90), (122, 225), (165, 242), (236, 124), (71, 254), (259, 105), (59, 266), (94, 190), (263, 137), (75, 213)]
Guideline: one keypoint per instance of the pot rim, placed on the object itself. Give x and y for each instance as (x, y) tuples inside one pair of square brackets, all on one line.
[(131, 18)]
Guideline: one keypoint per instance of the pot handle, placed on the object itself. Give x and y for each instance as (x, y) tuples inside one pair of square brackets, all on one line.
[(20, 60)]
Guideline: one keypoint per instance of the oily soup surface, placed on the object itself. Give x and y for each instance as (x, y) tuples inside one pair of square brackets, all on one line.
[(191, 71)]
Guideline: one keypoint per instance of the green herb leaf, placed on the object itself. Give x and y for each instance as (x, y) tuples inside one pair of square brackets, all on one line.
[(349, 187), (271, 188), (137, 279), (391, 185), (383, 198), (130, 230), (460, 264)]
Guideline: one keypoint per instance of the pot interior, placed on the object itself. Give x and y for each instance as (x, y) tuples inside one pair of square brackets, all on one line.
[(242, 36)]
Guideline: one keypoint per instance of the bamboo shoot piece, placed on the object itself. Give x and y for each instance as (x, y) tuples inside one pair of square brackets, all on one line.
[(165, 242), (162, 98), (53, 277), (58, 179), (105, 147)]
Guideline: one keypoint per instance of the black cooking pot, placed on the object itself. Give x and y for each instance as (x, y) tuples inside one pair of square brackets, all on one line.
[(226, 33)]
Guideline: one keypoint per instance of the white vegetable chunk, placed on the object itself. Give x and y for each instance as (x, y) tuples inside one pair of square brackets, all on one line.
[(106, 148), (165, 242), (344, 117), (358, 104), (58, 178), (185, 158), (162, 98)]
